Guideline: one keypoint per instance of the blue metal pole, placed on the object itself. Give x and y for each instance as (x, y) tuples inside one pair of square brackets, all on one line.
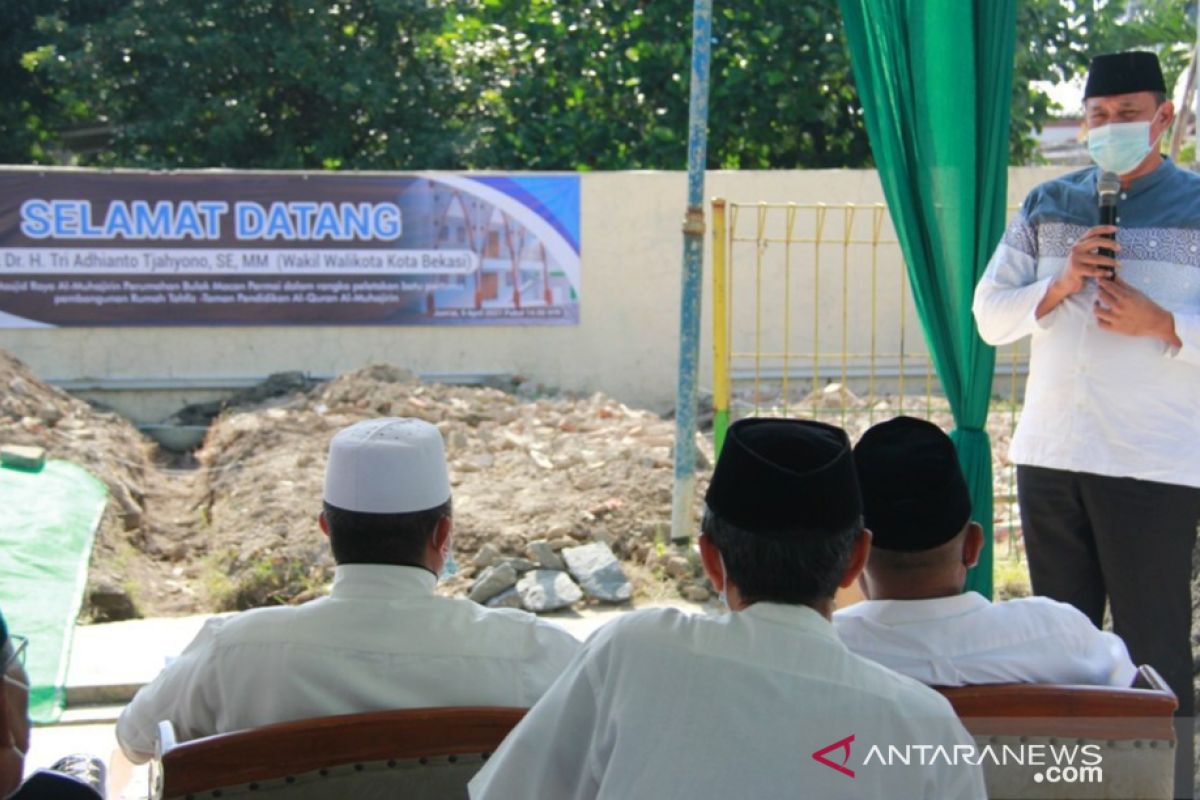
[(684, 490)]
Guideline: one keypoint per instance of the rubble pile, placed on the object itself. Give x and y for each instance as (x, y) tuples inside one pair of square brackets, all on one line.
[(543, 490), (532, 479)]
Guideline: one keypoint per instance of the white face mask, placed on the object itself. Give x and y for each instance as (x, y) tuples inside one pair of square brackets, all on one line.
[(724, 595), (449, 565), (1120, 146)]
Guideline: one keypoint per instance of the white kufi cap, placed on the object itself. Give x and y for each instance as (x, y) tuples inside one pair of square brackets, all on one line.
[(387, 466)]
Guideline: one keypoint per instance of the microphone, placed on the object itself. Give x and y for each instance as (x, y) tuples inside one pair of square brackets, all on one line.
[(1108, 185)]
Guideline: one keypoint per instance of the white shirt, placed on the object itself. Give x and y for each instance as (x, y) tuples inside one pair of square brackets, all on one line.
[(965, 639), (381, 640), (1096, 401), (662, 704)]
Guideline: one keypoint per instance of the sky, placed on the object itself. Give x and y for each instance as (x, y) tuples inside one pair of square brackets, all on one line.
[(1068, 95)]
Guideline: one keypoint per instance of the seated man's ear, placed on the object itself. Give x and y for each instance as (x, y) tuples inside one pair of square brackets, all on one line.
[(859, 554), (441, 535), (972, 544), (710, 559)]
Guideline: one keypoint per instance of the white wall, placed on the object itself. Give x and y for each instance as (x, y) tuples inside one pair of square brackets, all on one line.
[(626, 343)]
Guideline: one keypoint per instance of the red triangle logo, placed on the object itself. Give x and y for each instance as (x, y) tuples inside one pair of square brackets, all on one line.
[(841, 744)]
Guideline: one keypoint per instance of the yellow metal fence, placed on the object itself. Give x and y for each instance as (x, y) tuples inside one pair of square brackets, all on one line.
[(813, 317)]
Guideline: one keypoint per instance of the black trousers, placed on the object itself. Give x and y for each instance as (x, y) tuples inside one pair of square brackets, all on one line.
[(1091, 538)]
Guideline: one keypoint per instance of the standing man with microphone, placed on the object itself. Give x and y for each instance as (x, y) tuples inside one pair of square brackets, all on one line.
[(1108, 444)]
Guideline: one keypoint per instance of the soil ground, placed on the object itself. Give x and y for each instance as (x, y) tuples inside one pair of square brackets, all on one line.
[(234, 526)]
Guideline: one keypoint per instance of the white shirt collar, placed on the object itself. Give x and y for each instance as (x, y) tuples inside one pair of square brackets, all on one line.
[(381, 580), (800, 617), (899, 612)]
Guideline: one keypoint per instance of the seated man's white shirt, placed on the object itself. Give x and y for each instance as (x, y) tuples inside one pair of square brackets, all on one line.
[(664, 704), (381, 640), (966, 639)]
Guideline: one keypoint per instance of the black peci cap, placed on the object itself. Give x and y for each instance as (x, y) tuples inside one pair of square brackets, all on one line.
[(785, 478), (1124, 73), (914, 494)]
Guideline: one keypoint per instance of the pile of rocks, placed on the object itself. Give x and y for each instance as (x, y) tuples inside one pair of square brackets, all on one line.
[(543, 582)]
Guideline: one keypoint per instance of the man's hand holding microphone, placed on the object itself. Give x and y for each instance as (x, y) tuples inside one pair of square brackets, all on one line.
[(1092, 256), (1120, 307)]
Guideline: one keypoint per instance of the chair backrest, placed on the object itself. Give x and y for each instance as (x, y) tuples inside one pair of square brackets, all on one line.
[(1128, 733), (1143, 710), (423, 752)]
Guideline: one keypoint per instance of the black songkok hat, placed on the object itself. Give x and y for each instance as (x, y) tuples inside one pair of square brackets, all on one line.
[(914, 494), (785, 478), (1124, 73)]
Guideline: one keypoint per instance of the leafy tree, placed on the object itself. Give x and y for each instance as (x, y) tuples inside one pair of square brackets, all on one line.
[(783, 88), (603, 84), (388, 84), (21, 104), (259, 83), (584, 85), (30, 115), (505, 84)]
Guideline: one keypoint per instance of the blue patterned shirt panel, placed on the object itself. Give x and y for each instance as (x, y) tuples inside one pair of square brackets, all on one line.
[(1156, 217)]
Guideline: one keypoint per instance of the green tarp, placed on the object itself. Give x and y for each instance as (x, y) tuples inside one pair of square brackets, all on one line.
[(47, 527)]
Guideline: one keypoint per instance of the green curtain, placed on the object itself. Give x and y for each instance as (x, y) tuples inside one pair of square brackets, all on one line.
[(935, 80)]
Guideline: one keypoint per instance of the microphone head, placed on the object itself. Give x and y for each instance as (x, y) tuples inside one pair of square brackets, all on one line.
[(1108, 184)]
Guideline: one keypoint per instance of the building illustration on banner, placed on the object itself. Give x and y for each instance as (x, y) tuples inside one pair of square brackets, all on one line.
[(513, 270)]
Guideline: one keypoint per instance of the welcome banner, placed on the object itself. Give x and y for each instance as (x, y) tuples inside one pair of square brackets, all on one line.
[(83, 248)]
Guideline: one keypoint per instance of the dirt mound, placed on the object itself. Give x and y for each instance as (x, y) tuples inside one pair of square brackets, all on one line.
[(34, 413), (237, 527), (562, 469)]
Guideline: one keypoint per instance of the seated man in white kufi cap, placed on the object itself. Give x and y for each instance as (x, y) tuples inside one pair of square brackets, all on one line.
[(382, 639)]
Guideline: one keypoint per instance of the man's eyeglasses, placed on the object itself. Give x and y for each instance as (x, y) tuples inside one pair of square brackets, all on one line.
[(17, 656)]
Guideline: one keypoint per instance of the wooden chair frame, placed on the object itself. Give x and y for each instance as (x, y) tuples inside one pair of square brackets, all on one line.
[(287, 748), (1142, 711)]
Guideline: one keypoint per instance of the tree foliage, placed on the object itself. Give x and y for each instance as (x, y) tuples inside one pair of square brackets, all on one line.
[(577, 85), (21, 107), (603, 84), (505, 84), (259, 83), (31, 116)]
